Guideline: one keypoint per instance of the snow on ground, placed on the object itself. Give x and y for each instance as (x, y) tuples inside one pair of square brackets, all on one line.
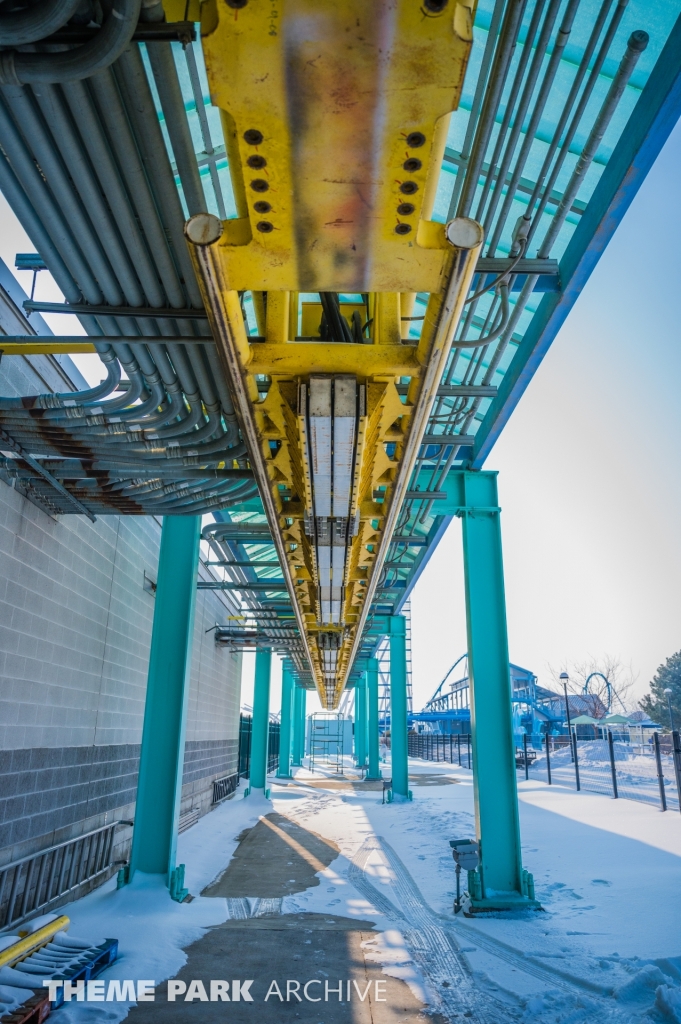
[(607, 946)]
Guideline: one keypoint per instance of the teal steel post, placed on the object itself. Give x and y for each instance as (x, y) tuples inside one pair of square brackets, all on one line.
[(372, 702), (261, 718), (159, 787), (361, 721), (297, 697), (299, 702), (494, 774), (398, 706), (302, 735), (286, 736)]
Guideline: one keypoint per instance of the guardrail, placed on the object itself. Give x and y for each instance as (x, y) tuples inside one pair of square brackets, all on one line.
[(431, 746), (33, 883)]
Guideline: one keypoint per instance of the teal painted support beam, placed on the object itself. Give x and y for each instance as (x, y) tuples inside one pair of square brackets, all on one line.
[(303, 724), (494, 775), (159, 787), (361, 722), (261, 718), (286, 734), (297, 695), (372, 702), (299, 704), (398, 706)]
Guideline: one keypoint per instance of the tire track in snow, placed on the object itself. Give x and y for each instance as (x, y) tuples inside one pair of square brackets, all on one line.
[(443, 966)]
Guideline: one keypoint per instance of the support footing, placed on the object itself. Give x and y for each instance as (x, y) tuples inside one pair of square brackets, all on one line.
[(506, 903)]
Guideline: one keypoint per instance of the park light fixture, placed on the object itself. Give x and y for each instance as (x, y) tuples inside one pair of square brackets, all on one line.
[(565, 678)]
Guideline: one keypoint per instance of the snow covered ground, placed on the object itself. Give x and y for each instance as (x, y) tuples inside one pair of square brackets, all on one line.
[(606, 948)]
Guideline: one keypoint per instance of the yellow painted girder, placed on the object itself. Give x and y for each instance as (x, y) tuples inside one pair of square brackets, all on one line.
[(335, 115)]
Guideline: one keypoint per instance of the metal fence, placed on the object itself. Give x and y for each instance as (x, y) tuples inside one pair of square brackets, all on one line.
[(648, 773), (245, 738), (33, 883), (454, 748)]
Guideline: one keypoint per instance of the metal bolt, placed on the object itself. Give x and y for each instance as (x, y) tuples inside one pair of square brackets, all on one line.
[(412, 164), (403, 229), (261, 206), (264, 226), (408, 188), (415, 139), (253, 137), (259, 185), (256, 162), (436, 6), (237, 3), (405, 209)]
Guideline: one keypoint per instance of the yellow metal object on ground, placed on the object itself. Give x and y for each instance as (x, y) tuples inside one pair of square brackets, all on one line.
[(24, 947), (335, 115)]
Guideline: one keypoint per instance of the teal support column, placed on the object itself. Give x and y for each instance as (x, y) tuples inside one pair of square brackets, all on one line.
[(494, 774), (261, 719), (302, 736), (297, 695), (159, 787), (372, 703), (398, 706), (299, 703), (286, 734), (361, 721)]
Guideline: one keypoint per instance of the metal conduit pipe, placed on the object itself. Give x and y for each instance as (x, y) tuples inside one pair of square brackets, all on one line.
[(636, 44), (82, 109), (36, 231), (37, 135), (80, 62), (495, 173), (502, 60), (26, 171), (476, 106), (36, 22), (72, 148), (41, 143), (172, 103), (113, 116), (134, 86), (578, 114), (537, 110), (526, 98)]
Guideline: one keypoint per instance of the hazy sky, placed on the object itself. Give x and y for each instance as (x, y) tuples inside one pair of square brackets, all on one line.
[(588, 467)]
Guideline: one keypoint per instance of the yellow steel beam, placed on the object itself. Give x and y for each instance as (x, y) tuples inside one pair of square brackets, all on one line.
[(335, 115), (44, 348), (337, 111)]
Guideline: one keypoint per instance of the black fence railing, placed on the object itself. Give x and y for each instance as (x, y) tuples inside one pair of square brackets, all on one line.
[(455, 748), (245, 728), (245, 737), (224, 787), (35, 882), (650, 773)]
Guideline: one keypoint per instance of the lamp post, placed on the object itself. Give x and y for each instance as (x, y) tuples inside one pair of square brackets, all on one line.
[(669, 702), (564, 678)]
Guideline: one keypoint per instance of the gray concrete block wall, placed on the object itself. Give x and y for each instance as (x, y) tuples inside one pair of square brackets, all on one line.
[(75, 631)]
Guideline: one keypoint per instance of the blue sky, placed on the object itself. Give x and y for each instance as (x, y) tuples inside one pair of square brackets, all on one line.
[(589, 472)]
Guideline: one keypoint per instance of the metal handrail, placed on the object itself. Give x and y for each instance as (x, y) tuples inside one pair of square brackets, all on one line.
[(90, 856)]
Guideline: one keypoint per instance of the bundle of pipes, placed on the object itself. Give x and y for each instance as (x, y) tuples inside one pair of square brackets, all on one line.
[(262, 621), (85, 168), (510, 100)]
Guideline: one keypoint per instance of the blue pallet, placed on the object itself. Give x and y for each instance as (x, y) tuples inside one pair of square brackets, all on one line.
[(105, 955)]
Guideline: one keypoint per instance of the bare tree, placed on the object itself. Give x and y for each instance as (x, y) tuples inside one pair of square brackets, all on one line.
[(599, 672)]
